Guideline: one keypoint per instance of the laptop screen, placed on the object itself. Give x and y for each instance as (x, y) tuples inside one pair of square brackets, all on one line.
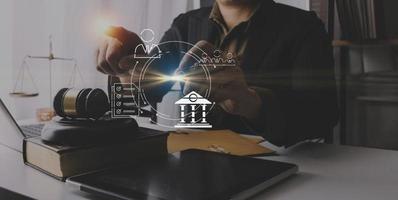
[(10, 134)]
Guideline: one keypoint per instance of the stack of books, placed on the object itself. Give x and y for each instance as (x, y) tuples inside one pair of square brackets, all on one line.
[(368, 19)]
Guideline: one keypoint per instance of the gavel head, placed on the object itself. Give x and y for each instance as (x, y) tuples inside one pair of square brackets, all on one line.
[(81, 103)]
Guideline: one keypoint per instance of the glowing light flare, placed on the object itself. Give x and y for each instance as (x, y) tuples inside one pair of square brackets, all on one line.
[(176, 78), (102, 25)]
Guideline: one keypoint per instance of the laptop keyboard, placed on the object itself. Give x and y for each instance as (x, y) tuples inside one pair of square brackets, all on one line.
[(32, 130)]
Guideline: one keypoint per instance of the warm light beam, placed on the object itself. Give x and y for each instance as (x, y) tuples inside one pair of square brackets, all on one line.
[(102, 25)]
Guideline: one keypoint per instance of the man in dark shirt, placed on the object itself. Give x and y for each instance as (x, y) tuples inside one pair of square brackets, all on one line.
[(284, 88)]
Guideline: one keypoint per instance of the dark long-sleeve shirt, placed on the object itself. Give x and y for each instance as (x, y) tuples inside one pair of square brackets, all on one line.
[(287, 60)]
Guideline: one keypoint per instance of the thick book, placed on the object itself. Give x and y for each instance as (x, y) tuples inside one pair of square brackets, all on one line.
[(62, 162)]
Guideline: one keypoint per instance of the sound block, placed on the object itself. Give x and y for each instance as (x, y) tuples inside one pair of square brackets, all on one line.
[(74, 132)]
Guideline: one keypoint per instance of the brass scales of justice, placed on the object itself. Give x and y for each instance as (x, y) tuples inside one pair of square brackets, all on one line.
[(24, 70)]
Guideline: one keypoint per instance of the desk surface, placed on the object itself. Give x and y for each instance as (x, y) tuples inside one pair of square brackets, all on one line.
[(326, 172)]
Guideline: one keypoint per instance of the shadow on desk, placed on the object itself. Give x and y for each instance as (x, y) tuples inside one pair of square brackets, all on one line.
[(285, 185), (7, 194), (86, 195)]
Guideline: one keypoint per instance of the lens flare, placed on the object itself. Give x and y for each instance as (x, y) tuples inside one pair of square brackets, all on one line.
[(176, 78), (102, 25)]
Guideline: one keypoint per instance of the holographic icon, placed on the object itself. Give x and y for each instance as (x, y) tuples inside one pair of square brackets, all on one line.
[(149, 49), (190, 104), (218, 59)]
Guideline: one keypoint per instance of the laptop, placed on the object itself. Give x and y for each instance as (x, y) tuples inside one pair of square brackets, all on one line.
[(188, 175), (12, 134)]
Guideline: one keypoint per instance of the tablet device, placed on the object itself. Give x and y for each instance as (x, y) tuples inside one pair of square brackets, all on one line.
[(188, 175)]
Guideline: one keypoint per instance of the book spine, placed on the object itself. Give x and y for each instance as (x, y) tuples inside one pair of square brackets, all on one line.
[(356, 20), (360, 19), (379, 17), (342, 13), (371, 18), (364, 11)]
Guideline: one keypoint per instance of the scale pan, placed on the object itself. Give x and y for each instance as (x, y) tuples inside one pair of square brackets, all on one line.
[(24, 94)]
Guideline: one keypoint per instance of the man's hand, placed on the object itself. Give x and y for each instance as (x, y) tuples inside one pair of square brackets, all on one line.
[(228, 88), (230, 91), (111, 56)]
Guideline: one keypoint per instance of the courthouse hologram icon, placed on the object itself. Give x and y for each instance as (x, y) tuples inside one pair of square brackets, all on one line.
[(189, 105)]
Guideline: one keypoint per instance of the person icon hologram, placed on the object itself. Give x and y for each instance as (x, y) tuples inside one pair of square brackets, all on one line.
[(230, 61), (149, 49), (217, 57)]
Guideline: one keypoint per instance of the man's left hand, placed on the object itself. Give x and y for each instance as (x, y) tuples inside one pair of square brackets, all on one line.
[(230, 91)]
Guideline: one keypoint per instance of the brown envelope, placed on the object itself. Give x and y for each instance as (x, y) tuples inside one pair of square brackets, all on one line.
[(223, 141)]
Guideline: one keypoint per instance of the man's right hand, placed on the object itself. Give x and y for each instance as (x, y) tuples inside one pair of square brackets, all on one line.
[(119, 44)]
